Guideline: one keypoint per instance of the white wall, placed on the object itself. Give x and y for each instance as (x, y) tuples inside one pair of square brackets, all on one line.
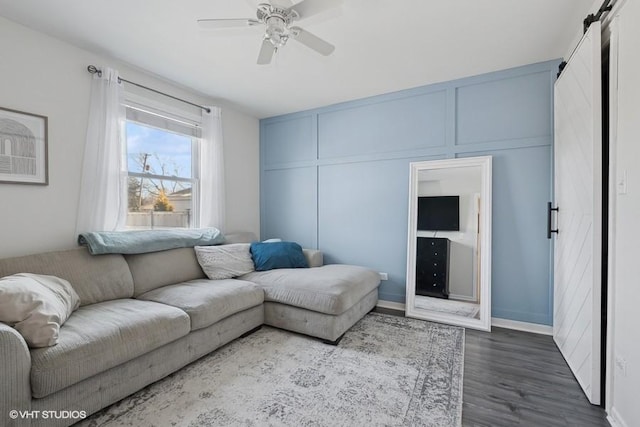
[(46, 76), (466, 183), (625, 286), (242, 171)]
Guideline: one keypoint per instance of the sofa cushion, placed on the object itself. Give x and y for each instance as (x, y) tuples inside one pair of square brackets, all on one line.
[(314, 257), (270, 256), (100, 336), (157, 269), (330, 289), (95, 278), (36, 305), (225, 261), (208, 301)]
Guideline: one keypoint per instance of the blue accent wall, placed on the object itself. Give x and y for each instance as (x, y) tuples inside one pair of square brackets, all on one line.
[(337, 178)]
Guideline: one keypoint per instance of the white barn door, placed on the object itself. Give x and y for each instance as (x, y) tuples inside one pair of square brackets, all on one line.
[(578, 197)]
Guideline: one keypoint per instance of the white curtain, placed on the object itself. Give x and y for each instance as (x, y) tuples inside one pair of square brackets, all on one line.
[(102, 205), (211, 194)]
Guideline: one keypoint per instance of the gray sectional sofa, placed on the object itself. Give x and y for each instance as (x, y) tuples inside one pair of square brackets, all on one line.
[(145, 316)]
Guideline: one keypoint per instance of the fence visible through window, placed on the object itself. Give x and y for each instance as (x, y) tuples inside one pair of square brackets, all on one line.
[(150, 219)]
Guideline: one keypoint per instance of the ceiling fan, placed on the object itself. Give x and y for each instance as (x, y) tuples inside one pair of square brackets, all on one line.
[(277, 16)]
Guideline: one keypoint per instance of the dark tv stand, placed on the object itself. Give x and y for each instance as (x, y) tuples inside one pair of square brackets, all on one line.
[(432, 266)]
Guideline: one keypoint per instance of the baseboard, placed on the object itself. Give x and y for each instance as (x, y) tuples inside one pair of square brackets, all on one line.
[(522, 326), (615, 420), (391, 305), (499, 323)]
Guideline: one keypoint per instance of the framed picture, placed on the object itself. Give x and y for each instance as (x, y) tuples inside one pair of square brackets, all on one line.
[(23, 148)]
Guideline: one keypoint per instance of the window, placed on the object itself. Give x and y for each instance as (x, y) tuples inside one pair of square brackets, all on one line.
[(162, 170)]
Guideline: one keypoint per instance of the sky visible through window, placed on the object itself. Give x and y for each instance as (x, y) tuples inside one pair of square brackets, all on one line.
[(158, 151)]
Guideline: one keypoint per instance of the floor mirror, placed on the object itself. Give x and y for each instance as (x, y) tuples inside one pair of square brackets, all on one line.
[(449, 242)]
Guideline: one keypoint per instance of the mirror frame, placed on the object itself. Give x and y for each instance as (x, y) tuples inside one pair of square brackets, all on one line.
[(485, 164)]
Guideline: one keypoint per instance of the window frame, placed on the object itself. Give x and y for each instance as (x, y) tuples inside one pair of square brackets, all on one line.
[(178, 118)]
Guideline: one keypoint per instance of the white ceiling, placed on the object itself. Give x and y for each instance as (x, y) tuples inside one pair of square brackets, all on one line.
[(381, 45)]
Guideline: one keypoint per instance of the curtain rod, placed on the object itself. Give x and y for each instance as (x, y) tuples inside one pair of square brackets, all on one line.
[(94, 70)]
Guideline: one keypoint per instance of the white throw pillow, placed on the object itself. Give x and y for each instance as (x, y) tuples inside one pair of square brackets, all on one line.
[(225, 261), (36, 306)]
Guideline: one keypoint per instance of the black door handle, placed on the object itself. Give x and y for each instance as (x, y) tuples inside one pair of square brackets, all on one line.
[(550, 210)]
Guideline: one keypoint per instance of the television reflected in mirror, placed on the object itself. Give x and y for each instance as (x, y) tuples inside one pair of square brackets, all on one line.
[(439, 213)]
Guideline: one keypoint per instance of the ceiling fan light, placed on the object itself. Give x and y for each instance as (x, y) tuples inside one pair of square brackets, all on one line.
[(277, 40)]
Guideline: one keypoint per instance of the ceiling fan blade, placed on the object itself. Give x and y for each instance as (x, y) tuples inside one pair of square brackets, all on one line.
[(308, 8), (266, 52), (226, 23), (312, 41)]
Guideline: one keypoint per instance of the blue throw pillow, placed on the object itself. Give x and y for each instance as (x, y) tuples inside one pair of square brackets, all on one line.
[(269, 256)]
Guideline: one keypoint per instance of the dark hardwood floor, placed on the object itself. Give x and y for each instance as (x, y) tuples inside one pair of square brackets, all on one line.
[(514, 378)]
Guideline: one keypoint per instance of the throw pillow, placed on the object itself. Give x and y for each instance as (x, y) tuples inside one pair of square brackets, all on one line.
[(269, 256), (225, 261), (37, 306)]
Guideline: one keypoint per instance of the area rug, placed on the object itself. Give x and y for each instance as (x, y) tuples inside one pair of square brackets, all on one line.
[(386, 371)]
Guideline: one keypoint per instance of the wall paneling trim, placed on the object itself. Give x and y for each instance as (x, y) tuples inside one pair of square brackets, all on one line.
[(336, 178)]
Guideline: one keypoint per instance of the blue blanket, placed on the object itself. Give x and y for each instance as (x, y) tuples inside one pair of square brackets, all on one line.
[(143, 241)]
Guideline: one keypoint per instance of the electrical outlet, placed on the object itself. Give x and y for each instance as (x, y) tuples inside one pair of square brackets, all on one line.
[(621, 364), (384, 276)]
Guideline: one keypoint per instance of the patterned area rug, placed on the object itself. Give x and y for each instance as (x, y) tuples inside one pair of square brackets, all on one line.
[(386, 371)]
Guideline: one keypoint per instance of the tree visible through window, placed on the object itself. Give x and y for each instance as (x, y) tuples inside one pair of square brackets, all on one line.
[(160, 177)]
